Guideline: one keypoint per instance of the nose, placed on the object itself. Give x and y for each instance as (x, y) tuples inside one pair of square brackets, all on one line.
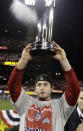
[(42, 87)]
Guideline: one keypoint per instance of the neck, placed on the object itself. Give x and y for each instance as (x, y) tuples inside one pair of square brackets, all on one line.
[(44, 99)]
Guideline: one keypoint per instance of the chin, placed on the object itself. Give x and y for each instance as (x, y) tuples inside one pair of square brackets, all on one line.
[(42, 98)]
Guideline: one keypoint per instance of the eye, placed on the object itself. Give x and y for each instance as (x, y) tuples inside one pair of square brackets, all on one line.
[(45, 84), (81, 98), (38, 84)]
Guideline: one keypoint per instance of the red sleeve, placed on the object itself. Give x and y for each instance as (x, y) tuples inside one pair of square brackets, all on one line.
[(72, 87), (14, 83)]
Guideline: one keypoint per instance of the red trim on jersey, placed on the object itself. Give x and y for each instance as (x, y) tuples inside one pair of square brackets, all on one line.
[(14, 83), (72, 87)]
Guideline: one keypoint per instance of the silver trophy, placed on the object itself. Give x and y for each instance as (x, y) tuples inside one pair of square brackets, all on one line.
[(41, 13), (43, 45)]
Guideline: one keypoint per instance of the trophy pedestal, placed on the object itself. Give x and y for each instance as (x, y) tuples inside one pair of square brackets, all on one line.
[(42, 49)]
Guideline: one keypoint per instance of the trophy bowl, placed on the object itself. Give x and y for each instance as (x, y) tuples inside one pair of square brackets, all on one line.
[(42, 49), (43, 45)]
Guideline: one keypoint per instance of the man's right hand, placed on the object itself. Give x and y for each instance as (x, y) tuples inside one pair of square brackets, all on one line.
[(25, 57), (26, 52)]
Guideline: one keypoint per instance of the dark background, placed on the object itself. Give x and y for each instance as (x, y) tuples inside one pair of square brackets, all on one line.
[(67, 32)]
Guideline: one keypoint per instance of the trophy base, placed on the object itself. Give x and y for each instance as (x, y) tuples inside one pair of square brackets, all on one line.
[(42, 49)]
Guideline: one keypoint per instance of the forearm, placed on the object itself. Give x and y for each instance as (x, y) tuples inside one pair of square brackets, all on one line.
[(15, 79), (72, 84), (22, 63), (14, 83), (24, 58), (72, 87), (65, 64)]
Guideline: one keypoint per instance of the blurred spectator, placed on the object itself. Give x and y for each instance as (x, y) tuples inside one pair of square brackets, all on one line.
[(4, 97), (12, 45), (9, 57), (80, 127), (76, 119)]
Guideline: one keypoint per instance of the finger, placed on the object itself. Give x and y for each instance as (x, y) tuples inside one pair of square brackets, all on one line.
[(30, 44), (55, 44), (58, 52), (28, 47), (57, 48)]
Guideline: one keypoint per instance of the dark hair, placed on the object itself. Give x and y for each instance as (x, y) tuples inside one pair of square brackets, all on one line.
[(44, 77)]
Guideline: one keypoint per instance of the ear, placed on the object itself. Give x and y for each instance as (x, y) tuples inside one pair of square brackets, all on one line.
[(52, 90)]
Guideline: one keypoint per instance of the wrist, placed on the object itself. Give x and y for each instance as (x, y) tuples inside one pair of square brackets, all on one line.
[(65, 64), (22, 63)]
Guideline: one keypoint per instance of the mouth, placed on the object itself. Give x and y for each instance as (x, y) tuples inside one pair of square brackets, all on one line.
[(43, 92)]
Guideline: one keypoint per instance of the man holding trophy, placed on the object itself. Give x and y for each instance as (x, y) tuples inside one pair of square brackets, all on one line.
[(43, 114)]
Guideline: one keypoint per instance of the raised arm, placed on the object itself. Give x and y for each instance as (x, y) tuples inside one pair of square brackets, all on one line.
[(72, 84), (14, 83)]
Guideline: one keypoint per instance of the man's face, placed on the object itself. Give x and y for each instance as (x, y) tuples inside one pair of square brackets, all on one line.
[(80, 101), (43, 90)]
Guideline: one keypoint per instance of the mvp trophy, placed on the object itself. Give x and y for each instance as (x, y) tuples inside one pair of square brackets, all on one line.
[(43, 46)]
